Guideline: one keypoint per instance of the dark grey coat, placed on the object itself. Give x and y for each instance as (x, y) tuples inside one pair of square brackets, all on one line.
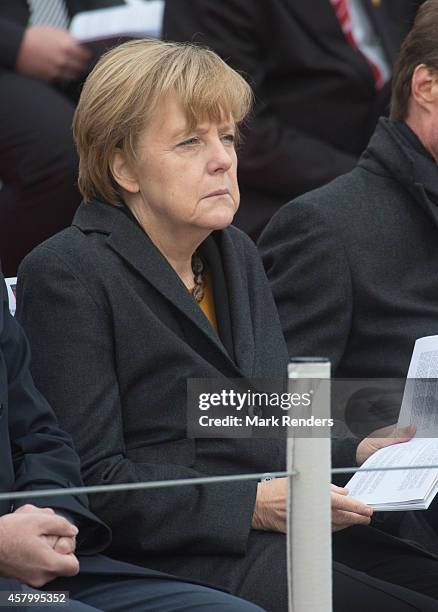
[(115, 335), (354, 265)]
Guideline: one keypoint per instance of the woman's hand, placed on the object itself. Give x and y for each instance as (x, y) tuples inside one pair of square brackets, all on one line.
[(347, 511), (270, 507), (386, 436)]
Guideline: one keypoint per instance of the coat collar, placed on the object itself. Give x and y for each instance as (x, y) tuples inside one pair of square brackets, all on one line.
[(134, 246), (391, 154)]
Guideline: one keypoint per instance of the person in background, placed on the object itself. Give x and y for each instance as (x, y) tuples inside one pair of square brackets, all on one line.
[(150, 287), (321, 72), (352, 265), (41, 68)]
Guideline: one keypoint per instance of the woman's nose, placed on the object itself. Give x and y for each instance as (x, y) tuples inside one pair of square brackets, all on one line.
[(221, 157)]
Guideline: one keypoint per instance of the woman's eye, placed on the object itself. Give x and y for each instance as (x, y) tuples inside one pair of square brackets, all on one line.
[(189, 142), (229, 138)]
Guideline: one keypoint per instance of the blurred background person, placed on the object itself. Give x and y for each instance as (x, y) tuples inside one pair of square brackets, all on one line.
[(41, 67), (321, 73)]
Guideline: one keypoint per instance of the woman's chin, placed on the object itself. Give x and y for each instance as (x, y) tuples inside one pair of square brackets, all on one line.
[(221, 221), (220, 218)]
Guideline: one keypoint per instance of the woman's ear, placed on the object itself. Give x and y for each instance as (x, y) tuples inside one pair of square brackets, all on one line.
[(123, 173)]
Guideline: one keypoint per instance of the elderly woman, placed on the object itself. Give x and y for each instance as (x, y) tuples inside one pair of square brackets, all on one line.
[(149, 287)]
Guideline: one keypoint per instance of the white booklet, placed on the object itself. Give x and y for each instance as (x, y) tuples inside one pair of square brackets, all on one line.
[(135, 20), (408, 489)]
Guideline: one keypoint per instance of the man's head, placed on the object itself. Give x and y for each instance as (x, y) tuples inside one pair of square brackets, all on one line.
[(415, 78)]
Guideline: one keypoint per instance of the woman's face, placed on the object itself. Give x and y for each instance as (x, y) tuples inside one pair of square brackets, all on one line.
[(185, 178)]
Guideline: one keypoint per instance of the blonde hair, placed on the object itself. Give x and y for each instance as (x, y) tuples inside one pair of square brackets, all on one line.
[(125, 89)]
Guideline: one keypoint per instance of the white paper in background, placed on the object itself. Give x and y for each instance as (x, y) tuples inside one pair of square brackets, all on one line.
[(11, 284), (134, 20), (420, 399)]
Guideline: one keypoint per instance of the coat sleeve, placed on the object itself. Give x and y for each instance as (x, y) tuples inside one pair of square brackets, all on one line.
[(275, 158), (11, 35), (43, 455), (310, 279), (72, 336)]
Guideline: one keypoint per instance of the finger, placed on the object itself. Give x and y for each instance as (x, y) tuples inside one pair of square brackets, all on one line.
[(340, 490), (45, 510), (350, 504), (343, 519), (77, 65), (65, 546), (56, 525), (80, 53), (27, 508), (394, 435), (63, 565), (51, 540), (405, 433)]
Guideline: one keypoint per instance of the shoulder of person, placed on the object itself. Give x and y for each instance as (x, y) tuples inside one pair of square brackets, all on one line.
[(244, 245), (66, 260), (322, 206), (69, 247)]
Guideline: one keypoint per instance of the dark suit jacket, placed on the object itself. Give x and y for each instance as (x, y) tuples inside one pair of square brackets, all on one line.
[(353, 270), (14, 15), (353, 265), (115, 336), (36, 454), (316, 102)]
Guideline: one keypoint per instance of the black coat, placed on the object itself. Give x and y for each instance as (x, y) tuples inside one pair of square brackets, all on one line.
[(317, 105), (115, 336), (14, 16), (36, 454), (353, 265)]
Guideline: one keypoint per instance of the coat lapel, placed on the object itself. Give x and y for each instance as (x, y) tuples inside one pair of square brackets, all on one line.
[(239, 303), (390, 151), (134, 246)]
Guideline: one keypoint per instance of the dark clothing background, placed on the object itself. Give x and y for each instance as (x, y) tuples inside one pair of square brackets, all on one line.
[(115, 336), (316, 103), (38, 162), (353, 265), (14, 16)]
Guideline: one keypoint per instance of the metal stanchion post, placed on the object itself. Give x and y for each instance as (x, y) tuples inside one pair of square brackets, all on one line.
[(309, 512)]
